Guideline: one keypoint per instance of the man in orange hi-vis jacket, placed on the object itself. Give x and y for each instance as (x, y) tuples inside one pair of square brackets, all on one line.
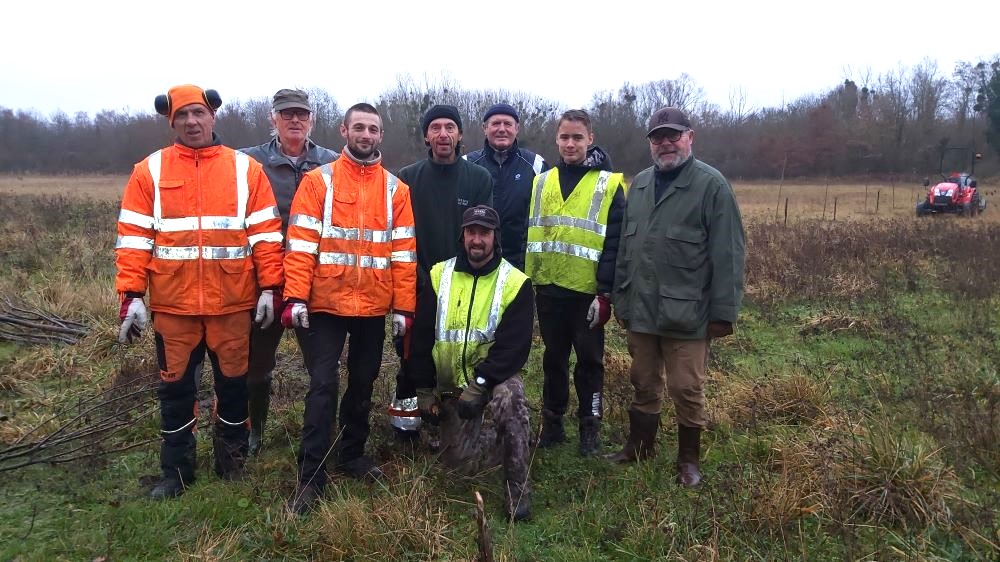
[(351, 259), (200, 230)]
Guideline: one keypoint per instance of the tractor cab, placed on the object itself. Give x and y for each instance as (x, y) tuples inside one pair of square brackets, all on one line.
[(956, 193)]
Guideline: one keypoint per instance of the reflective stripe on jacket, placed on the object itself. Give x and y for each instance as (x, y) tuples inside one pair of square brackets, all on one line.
[(351, 243), (468, 312), (201, 229), (566, 237)]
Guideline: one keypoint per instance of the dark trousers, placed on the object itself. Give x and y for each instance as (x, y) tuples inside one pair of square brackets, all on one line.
[(263, 346), (181, 343), (322, 344), (563, 324)]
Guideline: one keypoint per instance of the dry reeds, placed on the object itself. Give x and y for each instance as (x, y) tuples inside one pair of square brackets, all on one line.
[(404, 523), (793, 399), (886, 476)]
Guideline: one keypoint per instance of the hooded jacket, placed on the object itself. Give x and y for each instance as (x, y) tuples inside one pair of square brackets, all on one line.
[(506, 354), (569, 176)]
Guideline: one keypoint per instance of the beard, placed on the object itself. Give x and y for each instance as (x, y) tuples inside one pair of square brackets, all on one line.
[(669, 161)]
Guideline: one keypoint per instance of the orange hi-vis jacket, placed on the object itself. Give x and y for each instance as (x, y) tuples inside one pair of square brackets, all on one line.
[(351, 244), (200, 228)]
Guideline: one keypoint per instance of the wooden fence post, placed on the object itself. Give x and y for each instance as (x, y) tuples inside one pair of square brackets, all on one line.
[(835, 209)]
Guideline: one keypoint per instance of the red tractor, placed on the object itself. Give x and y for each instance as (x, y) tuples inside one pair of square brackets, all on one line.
[(958, 193)]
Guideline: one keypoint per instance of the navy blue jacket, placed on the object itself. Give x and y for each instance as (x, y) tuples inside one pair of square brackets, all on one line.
[(511, 194)]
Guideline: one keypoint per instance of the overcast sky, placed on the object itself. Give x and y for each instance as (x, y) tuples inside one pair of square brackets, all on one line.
[(87, 56)]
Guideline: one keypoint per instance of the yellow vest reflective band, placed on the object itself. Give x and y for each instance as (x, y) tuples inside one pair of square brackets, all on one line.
[(566, 237), (468, 313)]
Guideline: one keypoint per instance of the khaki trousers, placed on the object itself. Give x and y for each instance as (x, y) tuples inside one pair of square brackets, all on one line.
[(679, 365)]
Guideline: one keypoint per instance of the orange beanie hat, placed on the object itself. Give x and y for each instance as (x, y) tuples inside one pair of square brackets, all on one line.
[(186, 94)]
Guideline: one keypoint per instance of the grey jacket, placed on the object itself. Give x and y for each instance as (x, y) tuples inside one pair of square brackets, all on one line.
[(680, 263), (283, 174)]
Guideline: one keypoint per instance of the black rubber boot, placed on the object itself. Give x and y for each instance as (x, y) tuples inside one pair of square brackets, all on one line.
[(230, 447), (641, 443), (167, 488), (259, 402), (177, 463), (553, 432), (304, 500), (688, 456), (590, 436)]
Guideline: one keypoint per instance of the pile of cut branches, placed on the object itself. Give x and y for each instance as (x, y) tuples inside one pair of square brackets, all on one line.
[(33, 327), (93, 426)]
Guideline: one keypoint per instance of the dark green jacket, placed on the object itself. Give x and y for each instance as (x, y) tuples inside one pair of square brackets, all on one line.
[(680, 263)]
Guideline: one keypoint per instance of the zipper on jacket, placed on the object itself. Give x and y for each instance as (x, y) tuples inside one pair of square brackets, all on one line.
[(361, 238), (201, 241), (468, 322)]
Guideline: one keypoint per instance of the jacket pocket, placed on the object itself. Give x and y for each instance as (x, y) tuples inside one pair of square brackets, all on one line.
[(678, 309), (168, 285), (330, 285), (685, 247), (237, 284), (175, 201)]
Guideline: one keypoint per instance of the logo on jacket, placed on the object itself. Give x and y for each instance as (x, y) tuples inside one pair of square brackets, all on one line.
[(517, 177), (463, 202)]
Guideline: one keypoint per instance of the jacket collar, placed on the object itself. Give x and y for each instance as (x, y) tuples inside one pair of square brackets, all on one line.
[(311, 154), (203, 152), (488, 150)]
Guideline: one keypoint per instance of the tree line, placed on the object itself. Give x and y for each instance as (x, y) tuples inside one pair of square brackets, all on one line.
[(891, 124)]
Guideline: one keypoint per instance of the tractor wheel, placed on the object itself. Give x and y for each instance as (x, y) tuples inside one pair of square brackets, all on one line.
[(966, 209), (921, 209)]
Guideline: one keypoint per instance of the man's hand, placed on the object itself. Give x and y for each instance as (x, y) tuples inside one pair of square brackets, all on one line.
[(719, 329), (599, 312), (400, 324), (133, 318), (474, 399), (295, 315), (268, 306), (427, 403)]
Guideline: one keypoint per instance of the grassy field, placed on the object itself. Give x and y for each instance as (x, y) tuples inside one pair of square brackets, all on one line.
[(855, 415)]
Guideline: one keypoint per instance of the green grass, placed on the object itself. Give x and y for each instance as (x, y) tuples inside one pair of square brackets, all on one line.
[(859, 427)]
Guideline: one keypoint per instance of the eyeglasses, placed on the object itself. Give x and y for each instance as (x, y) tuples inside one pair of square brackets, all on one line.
[(672, 135), (287, 114)]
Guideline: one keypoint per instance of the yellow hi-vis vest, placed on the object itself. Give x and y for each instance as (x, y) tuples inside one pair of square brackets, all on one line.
[(566, 237), (469, 309)]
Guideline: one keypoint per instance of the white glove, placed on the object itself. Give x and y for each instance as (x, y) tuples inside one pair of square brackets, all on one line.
[(265, 309), (398, 325), (133, 317), (298, 314)]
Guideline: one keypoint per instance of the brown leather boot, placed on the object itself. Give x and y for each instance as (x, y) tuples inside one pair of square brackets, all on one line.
[(641, 442), (688, 455)]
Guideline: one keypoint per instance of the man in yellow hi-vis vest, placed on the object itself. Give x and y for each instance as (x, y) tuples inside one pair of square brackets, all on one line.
[(471, 337), (574, 224)]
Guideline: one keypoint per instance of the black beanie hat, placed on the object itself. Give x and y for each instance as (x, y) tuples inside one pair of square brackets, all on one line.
[(439, 111)]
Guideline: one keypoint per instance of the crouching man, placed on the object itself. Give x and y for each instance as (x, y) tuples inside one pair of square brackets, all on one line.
[(471, 338)]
